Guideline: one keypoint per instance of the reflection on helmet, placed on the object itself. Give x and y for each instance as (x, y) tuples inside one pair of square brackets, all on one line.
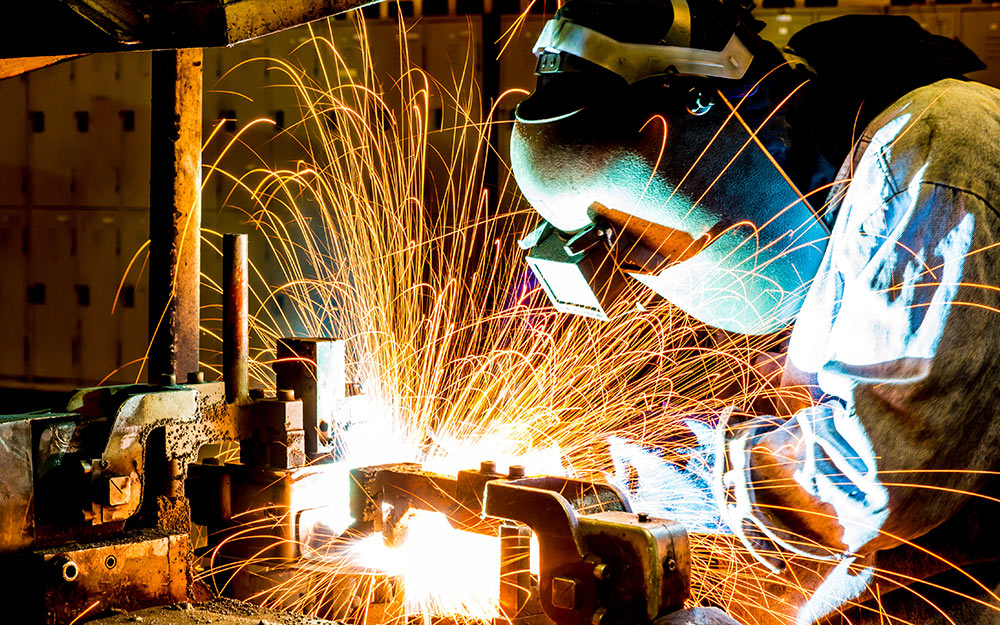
[(746, 281)]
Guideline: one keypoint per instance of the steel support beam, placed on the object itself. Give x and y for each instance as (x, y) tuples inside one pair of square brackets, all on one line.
[(59, 27), (175, 213)]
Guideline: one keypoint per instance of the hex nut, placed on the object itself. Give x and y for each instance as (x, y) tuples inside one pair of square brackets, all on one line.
[(286, 394)]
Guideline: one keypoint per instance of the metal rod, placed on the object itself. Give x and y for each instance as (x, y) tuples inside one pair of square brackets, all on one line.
[(235, 334), (175, 213)]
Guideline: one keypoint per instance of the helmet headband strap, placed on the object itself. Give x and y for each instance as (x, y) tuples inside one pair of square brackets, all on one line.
[(635, 61)]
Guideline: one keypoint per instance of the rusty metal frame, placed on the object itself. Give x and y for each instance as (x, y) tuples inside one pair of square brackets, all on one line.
[(175, 213), (90, 26), (599, 564)]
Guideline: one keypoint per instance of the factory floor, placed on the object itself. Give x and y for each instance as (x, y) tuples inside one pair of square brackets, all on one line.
[(215, 612)]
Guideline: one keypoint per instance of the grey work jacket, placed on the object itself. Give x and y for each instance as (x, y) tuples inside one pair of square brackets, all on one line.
[(886, 479)]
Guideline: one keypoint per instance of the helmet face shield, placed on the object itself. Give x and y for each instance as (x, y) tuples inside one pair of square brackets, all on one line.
[(748, 280)]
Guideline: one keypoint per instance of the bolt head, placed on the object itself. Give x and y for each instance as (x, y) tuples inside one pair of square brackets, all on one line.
[(119, 490), (516, 471), (286, 394), (564, 593)]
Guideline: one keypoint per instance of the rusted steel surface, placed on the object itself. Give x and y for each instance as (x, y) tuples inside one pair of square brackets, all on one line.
[(115, 18), (16, 511), (175, 213), (315, 368), (132, 571), (235, 333), (59, 27), (596, 558), (247, 19), (217, 611)]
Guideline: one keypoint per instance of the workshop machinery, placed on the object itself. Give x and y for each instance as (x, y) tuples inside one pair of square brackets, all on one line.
[(98, 500), (599, 563), (93, 507)]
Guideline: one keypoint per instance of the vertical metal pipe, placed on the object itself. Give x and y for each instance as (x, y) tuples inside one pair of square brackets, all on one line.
[(235, 333), (175, 213)]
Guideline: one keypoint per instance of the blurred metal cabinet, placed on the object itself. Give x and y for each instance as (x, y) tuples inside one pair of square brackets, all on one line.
[(52, 319), (51, 127), (517, 62), (232, 90), (92, 144), (780, 25), (942, 21), (98, 275), (131, 316), (981, 32), (132, 92), (517, 77), (13, 110), (453, 56), (452, 53), (13, 289), (824, 14), (295, 57)]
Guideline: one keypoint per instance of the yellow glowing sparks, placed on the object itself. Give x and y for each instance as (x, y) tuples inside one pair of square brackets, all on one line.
[(384, 236)]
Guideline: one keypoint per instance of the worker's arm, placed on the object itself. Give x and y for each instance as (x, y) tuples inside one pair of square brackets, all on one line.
[(902, 335)]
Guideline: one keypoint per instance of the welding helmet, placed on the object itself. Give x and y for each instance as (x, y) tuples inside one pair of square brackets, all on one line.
[(630, 151)]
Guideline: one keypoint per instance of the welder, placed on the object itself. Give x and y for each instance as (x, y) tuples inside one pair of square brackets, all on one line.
[(846, 187)]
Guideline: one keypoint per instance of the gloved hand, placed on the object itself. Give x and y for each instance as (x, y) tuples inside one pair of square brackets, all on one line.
[(697, 616)]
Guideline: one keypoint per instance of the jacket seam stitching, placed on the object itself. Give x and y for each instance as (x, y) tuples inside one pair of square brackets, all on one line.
[(952, 187)]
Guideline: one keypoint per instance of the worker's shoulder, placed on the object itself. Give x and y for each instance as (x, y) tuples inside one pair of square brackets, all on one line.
[(948, 133)]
